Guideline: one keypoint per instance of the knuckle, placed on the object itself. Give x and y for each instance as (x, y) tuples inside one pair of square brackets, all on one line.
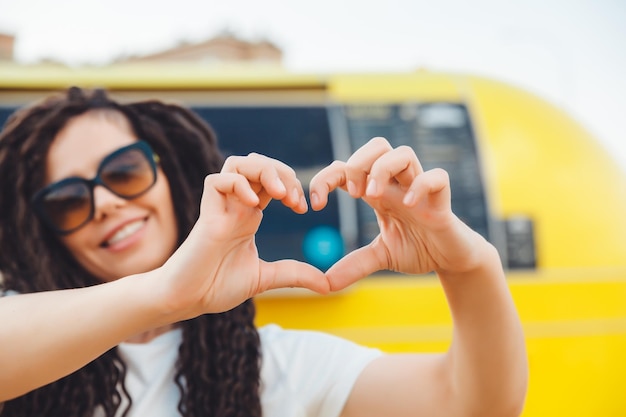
[(231, 161), (405, 149), (290, 171), (380, 141), (209, 179)]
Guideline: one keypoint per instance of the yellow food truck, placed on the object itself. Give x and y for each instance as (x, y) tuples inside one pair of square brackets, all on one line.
[(523, 173)]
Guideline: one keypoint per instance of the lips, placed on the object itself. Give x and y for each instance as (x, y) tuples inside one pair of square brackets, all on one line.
[(123, 232)]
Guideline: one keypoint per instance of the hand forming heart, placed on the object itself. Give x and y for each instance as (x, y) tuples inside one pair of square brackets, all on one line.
[(418, 232)]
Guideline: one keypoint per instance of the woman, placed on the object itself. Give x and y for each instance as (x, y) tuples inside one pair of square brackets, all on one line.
[(128, 249)]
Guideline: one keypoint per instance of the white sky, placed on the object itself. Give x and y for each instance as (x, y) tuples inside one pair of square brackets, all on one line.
[(572, 53)]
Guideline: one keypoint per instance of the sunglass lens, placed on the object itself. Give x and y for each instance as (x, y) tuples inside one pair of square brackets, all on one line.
[(128, 174), (68, 206)]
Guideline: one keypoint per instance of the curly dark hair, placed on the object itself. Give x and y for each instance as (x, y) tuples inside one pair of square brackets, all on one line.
[(218, 365)]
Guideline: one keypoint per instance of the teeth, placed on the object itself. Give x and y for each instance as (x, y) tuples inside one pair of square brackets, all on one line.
[(125, 231)]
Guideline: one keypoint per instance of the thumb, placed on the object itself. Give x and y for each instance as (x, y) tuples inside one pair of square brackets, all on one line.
[(354, 266), (291, 273)]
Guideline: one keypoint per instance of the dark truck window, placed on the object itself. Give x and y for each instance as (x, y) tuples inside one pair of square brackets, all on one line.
[(300, 137), (442, 136)]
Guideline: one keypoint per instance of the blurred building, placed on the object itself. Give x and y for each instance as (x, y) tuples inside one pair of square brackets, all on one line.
[(224, 48), (7, 43)]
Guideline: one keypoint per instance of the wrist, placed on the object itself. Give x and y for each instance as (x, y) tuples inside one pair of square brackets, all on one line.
[(152, 296), (482, 259)]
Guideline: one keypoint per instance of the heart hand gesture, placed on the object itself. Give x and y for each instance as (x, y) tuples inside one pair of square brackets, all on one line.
[(418, 231)]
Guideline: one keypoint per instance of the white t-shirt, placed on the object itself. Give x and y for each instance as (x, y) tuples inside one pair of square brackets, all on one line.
[(303, 373)]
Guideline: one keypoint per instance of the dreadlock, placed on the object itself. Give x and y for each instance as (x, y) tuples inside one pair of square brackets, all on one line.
[(218, 366)]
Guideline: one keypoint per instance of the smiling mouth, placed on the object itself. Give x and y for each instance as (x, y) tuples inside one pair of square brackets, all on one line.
[(124, 232)]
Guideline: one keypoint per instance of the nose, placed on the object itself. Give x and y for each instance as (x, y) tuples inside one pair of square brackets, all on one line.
[(105, 202)]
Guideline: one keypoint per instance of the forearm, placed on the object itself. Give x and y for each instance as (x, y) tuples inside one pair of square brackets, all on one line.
[(487, 360), (45, 336)]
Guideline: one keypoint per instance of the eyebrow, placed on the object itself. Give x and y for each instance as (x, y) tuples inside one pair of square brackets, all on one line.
[(74, 174)]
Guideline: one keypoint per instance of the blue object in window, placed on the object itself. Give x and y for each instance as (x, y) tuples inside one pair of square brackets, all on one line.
[(323, 246)]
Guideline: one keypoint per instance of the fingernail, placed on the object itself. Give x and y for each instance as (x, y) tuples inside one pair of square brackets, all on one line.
[(371, 188), (303, 203), (280, 185), (409, 198), (351, 188), (315, 199), (294, 195)]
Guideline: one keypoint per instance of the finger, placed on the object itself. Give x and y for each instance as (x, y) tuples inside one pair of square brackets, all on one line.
[(296, 203), (291, 273), (433, 187), (324, 182), (216, 186), (294, 199), (398, 165), (354, 266), (350, 176), (360, 163), (278, 180), (259, 169)]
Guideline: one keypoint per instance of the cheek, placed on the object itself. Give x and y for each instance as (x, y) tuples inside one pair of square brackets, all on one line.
[(79, 248), (76, 243)]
